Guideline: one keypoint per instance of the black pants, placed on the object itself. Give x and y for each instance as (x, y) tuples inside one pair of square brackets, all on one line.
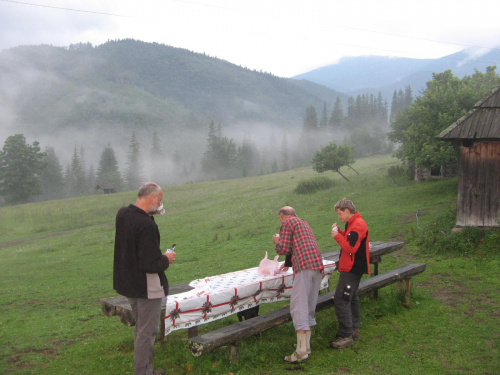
[(347, 311)]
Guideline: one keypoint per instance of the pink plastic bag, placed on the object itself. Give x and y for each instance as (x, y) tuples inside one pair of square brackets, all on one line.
[(268, 266)]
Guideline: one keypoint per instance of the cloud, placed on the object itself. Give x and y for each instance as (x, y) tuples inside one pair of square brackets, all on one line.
[(283, 38)]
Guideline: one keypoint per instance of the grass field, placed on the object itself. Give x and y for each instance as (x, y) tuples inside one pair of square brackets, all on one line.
[(56, 262)]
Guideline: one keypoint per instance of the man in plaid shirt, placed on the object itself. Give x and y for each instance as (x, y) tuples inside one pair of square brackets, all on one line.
[(296, 240)]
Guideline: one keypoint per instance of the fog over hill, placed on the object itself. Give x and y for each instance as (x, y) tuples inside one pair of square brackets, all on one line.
[(85, 96)]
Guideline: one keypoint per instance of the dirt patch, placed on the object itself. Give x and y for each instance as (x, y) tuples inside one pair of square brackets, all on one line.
[(454, 294), (17, 359)]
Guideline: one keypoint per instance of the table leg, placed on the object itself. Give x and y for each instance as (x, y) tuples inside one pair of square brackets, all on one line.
[(193, 331)]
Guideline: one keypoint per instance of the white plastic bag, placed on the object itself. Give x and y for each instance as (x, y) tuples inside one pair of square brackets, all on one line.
[(268, 266)]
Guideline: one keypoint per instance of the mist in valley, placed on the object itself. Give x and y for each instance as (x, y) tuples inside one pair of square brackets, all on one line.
[(74, 107)]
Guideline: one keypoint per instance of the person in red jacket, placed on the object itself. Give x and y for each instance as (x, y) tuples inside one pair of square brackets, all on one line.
[(354, 261)]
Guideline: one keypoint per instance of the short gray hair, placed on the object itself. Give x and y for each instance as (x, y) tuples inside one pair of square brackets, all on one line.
[(147, 189), (345, 204)]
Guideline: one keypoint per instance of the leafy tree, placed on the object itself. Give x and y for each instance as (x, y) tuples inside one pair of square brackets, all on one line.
[(332, 158), (107, 171), (133, 175), (444, 101), (20, 167), (51, 177), (369, 141)]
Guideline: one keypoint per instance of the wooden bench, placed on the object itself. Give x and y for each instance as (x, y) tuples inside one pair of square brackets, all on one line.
[(233, 334), (120, 306)]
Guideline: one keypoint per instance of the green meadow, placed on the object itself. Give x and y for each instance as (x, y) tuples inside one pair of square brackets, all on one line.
[(56, 261)]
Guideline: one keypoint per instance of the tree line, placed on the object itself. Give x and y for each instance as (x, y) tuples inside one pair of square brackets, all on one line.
[(28, 174), (445, 99), (415, 124), (328, 142)]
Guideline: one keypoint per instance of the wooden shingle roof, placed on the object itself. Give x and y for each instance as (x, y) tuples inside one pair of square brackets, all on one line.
[(481, 123)]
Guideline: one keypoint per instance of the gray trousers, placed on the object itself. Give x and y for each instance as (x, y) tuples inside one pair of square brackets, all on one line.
[(304, 297), (147, 324), (347, 311)]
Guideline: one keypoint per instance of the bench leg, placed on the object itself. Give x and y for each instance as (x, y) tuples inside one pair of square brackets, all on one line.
[(375, 292), (235, 352), (407, 292)]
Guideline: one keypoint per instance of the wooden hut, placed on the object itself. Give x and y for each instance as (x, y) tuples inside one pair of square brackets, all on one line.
[(478, 136), (107, 187)]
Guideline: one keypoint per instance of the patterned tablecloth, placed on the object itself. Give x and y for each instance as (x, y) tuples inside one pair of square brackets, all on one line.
[(220, 296)]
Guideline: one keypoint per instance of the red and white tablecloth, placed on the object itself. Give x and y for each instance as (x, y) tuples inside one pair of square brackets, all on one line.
[(219, 296)]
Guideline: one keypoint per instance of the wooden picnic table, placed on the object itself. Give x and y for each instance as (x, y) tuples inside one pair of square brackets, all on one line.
[(120, 307)]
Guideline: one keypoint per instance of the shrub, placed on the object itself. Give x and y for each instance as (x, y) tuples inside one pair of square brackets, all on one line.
[(438, 238), (314, 184), (396, 171)]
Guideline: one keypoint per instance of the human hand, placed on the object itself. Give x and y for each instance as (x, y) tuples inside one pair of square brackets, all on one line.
[(171, 256), (283, 268), (276, 239), (335, 230)]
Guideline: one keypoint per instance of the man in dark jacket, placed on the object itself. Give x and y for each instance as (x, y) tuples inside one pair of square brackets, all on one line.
[(354, 261), (138, 271)]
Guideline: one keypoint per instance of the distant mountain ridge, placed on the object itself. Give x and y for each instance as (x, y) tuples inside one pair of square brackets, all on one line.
[(374, 74)]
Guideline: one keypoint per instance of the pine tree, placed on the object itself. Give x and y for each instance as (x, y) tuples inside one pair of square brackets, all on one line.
[(337, 117), (20, 168), (107, 171), (323, 122), (75, 178), (133, 175), (51, 177), (284, 153), (157, 160), (311, 119)]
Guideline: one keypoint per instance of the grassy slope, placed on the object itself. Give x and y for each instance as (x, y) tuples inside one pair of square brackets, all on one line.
[(56, 262)]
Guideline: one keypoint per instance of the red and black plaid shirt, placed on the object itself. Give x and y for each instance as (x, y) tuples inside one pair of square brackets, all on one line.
[(297, 239)]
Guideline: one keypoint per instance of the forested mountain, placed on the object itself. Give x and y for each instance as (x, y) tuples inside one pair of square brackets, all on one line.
[(95, 95)]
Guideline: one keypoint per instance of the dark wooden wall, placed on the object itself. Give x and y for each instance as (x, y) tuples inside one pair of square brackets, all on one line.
[(479, 185)]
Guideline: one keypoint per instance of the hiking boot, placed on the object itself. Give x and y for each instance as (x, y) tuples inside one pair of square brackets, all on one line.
[(159, 372), (342, 342), (355, 334)]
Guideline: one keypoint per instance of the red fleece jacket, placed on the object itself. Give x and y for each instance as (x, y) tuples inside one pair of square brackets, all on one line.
[(355, 246)]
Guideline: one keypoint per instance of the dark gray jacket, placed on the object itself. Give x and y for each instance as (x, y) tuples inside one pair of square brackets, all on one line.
[(139, 263)]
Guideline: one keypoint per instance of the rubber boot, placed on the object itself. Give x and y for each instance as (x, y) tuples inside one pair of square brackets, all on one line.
[(300, 354)]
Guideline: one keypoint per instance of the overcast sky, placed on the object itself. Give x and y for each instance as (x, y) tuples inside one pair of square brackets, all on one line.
[(283, 37)]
